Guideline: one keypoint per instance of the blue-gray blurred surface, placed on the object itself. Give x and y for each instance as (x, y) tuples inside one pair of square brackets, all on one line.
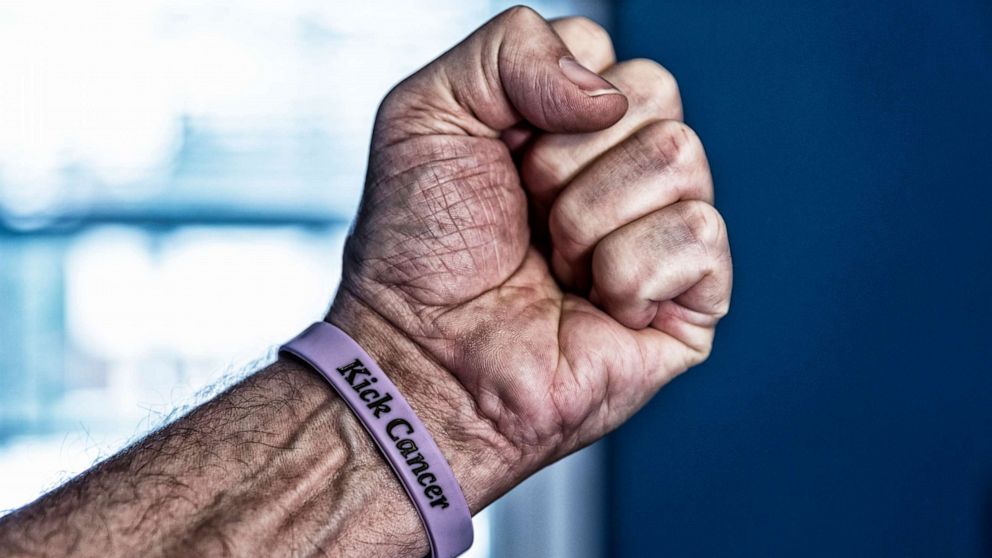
[(847, 407)]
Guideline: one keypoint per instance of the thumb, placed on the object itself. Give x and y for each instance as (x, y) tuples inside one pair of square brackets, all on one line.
[(545, 84), (512, 68)]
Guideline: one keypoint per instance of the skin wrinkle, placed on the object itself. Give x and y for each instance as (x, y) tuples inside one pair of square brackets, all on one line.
[(501, 380), (384, 192), (498, 64), (494, 81), (437, 185), (619, 174), (466, 113), (574, 423), (494, 238), (430, 357), (562, 356), (446, 150), (447, 208), (419, 115)]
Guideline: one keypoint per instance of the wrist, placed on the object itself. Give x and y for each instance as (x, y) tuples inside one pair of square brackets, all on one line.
[(483, 461)]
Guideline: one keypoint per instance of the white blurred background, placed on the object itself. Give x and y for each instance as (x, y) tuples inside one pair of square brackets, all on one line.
[(176, 180)]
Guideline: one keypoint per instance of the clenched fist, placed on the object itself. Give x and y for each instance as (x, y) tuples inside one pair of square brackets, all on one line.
[(537, 252)]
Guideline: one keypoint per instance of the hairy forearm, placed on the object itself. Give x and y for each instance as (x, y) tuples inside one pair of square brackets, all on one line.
[(275, 465)]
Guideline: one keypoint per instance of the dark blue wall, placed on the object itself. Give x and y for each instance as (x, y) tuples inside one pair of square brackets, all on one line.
[(847, 408)]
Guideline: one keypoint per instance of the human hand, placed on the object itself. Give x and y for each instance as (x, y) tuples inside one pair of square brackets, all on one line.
[(536, 253)]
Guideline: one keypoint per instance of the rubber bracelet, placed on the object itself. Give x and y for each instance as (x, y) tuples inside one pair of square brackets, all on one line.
[(405, 442)]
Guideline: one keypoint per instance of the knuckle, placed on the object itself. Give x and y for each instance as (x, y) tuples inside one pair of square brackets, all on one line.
[(703, 223), (671, 143), (593, 31), (708, 231), (715, 297), (626, 268), (612, 268), (649, 83), (721, 307), (519, 15)]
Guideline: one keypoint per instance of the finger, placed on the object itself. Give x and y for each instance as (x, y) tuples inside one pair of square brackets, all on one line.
[(588, 42), (555, 158), (674, 262), (513, 67), (662, 163)]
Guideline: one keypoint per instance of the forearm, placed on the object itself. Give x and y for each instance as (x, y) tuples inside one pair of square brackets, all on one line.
[(276, 465)]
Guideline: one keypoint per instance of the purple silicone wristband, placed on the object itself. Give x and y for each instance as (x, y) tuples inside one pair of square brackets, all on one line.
[(403, 439)]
